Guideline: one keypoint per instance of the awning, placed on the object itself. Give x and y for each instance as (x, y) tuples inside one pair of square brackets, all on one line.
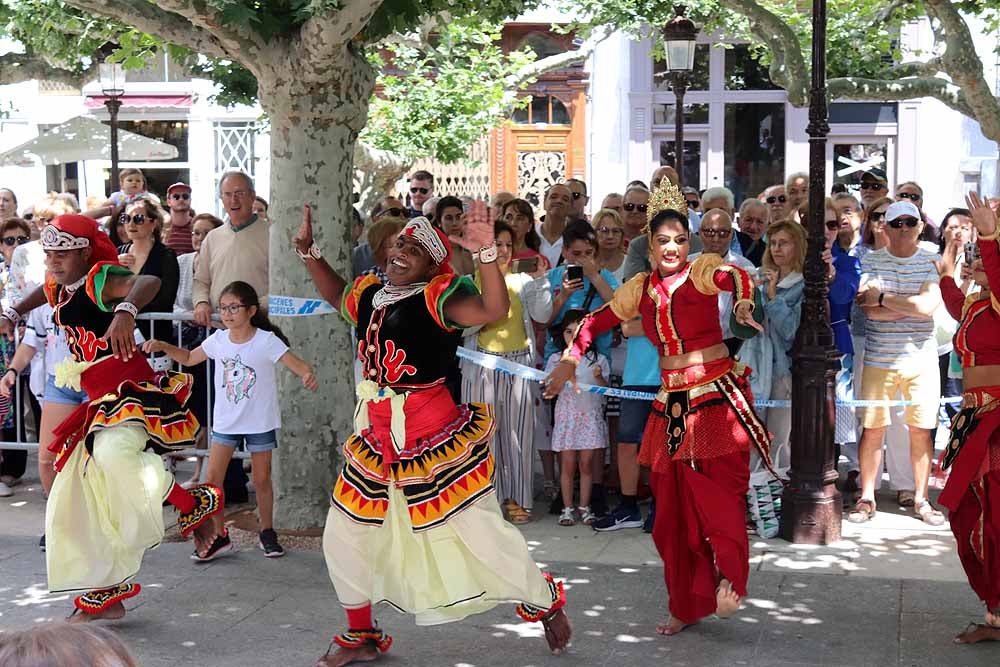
[(85, 138), (144, 101)]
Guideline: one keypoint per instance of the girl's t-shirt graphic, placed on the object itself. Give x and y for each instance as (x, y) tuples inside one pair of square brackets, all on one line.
[(245, 382)]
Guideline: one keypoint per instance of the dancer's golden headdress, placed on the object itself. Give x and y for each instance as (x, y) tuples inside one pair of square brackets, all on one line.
[(665, 195)]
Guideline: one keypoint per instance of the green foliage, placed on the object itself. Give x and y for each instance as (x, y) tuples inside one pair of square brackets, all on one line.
[(437, 98)]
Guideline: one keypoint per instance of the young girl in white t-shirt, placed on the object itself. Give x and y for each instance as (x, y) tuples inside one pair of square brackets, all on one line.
[(246, 401)]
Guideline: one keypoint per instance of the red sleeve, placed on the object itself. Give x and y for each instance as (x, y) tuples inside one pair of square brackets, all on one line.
[(990, 251), (591, 326), (733, 279), (953, 298)]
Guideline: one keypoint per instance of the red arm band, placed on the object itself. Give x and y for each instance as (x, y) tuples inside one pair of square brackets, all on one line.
[(734, 279)]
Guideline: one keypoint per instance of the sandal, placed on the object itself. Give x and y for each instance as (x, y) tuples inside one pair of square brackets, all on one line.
[(550, 490), (567, 518), (862, 512), (905, 498), (926, 512), (586, 516), (517, 514)]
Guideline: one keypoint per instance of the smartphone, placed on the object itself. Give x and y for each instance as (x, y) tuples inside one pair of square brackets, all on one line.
[(971, 253), (574, 272), (524, 265)]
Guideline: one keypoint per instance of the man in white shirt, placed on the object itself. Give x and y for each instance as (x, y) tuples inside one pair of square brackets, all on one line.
[(716, 233), (558, 206)]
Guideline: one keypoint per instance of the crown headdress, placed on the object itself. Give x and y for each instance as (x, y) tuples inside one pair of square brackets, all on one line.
[(665, 195)]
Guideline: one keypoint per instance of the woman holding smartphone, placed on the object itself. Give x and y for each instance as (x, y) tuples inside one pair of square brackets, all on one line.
[(512, 338)]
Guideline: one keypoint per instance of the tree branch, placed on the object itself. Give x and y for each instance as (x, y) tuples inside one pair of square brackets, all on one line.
[(323, 35), (234, 40), (964, 66), (905, 89), (375, 170), (149, 18), (558, 61), (917, 68), (788, 65), (20, 67), (885, 13)]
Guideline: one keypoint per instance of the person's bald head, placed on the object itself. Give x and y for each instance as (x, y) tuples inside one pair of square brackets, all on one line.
[(716, 231)]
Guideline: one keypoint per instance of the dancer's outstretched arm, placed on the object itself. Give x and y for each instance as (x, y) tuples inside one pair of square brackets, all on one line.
[(328, 282)]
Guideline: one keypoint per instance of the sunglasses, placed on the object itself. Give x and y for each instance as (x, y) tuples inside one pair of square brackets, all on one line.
[(712, 233), (394, 212), (232, 308), (875, 216), (181, 195), (908, 221), (137, 219), (642, 208), (15, 240), (422, 191), (577, 195), (872, 186), (912, 196), (832, 224), (609, 231), (692, 202), (780, 198)]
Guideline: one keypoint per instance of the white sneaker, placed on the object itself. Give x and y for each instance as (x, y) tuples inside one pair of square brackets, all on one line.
[(5, 491)]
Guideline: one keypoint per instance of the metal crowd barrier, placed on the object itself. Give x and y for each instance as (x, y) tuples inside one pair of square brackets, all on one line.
[(144, 324)]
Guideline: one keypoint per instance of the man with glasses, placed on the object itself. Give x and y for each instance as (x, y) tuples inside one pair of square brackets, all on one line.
[(421, 189), (635, 203), (716, 236), (899, 293), (235, 251), (911, 192), (578, 190), (777, 202), (179, 203), (873, 186), (389, 207)]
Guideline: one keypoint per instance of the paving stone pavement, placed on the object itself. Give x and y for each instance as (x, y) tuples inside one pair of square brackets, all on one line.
[(892, 593)]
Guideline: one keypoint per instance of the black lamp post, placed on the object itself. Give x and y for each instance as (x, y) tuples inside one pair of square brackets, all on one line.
[(811, 505), (113, 86), (679, 38)]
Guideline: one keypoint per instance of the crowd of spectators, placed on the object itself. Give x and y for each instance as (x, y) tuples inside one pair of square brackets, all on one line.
[(560, 263)]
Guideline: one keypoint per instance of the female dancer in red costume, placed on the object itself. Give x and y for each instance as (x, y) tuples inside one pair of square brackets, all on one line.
[(698, 437), (414, 519), (972, 493)]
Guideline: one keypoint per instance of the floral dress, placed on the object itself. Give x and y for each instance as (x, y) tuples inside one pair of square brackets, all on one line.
[(579, 417)]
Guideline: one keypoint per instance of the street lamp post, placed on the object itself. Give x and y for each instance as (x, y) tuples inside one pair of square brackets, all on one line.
[(679, 38), (811, 505), (113, 86)]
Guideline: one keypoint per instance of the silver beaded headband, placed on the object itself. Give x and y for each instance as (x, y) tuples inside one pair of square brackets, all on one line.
[(54, 238)]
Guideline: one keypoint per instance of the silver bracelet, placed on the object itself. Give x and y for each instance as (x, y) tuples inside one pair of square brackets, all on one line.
[(488, 254), (12, 315), (126, 307), (313, 253)]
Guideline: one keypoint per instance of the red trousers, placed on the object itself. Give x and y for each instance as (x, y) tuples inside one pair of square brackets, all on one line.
[(700, 530), (976, 525)]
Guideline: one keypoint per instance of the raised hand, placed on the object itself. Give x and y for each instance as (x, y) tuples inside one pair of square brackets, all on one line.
[(949, 259), (983, 217), (478, 231), (303, 238)]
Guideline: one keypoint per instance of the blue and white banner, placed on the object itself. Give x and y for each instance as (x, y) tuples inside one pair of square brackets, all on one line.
[(293, 306)]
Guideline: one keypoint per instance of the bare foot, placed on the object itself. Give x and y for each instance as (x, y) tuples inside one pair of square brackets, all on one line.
[(112, 613), (727, 602), (993, 618), (671, 626), (976, 632), (204, 536), (558, 632), (347, 656)]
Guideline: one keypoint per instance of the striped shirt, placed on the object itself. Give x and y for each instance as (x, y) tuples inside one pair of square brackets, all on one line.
[(909, 341)]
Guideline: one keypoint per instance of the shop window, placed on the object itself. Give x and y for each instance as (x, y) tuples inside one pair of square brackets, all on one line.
[(665, 114), (544, 109), (754, 152), (746, 72), (699, 76), (173, 132), (692, 160)]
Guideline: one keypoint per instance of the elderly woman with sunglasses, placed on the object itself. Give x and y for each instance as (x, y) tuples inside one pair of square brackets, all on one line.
[(145, 254)]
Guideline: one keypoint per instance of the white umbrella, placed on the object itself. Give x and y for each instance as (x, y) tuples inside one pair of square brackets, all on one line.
[(85, 138)]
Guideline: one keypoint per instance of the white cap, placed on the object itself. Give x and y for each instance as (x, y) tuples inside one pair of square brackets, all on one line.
[(902, 208)]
